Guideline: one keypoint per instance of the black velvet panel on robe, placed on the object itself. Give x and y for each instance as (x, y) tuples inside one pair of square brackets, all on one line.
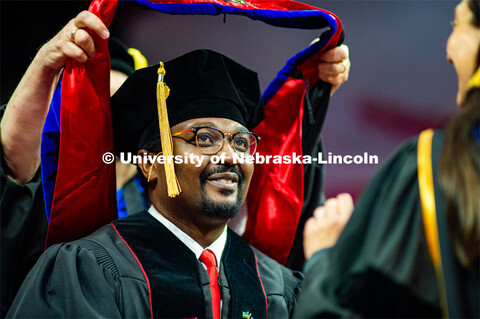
[(173, 272)]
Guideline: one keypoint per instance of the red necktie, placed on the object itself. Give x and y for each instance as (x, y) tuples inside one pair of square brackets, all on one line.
[(208, 258)]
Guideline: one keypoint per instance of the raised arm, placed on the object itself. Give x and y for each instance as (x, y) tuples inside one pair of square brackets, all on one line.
[(24, 117)]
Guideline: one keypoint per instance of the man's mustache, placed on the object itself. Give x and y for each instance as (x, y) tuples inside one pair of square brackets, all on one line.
[(221, 169)]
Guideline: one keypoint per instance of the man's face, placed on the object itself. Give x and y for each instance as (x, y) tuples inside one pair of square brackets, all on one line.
[(217, 190)]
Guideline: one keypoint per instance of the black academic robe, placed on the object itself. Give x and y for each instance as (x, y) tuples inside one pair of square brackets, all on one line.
[(24, 227), (23, 230), (135, 267), (381, 265)]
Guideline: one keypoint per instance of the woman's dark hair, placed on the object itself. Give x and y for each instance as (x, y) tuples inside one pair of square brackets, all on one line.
[(474, 6), (460, 171), (460, 180)]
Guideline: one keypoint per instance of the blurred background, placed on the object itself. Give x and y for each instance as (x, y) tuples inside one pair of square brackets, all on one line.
[(400, 81)]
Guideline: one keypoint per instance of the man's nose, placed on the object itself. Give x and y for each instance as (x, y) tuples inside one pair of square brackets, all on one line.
[(229, 152)]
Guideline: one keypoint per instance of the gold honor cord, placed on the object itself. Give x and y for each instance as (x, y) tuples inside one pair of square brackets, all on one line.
[(163, 91), (139, 60), (427, 197)]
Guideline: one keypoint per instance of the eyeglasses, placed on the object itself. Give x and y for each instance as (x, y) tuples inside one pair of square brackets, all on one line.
[(209, 140)]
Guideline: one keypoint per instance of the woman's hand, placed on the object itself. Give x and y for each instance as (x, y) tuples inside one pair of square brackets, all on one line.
[(323, 229), (73, 41), (334, 67)]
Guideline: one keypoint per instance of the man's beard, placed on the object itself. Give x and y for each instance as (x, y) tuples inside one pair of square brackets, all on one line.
[(223, 210)]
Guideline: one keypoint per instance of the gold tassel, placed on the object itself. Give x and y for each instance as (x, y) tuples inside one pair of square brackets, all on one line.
[(165, 134)]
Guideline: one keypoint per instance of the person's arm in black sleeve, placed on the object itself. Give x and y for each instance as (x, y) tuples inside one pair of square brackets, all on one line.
[(23, 230), (316, 290), (333, 71)]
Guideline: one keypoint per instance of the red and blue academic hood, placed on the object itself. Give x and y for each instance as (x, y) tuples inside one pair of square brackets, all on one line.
[(80, 188)]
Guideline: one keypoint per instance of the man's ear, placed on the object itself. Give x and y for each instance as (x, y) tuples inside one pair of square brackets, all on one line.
[(147, 166)]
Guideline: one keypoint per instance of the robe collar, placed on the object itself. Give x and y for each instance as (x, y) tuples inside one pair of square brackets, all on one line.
[(217, 246)]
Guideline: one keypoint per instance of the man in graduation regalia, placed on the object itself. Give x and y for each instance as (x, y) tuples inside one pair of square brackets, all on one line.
[(178, 259)]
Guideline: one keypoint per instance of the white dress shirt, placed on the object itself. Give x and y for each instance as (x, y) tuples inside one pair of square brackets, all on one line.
[(217, 246)]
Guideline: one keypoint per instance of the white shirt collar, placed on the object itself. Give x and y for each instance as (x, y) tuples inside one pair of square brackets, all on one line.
[(217, 246)]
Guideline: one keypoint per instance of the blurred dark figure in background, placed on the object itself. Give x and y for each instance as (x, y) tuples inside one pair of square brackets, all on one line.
[(411, 247)]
